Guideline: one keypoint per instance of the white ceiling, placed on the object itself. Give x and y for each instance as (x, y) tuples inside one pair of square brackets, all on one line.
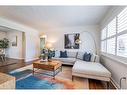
[(45, 17)]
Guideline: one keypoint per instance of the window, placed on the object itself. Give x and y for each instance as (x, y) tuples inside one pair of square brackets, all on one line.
[(122, 21), (103, 46), (103, 34), (122, 45), (114, 36), (108, 39), (111, 28), (111, 46)]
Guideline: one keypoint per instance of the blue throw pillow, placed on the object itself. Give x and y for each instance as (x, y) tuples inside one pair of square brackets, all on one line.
[(87, 57), (53, 53), (63, 54)]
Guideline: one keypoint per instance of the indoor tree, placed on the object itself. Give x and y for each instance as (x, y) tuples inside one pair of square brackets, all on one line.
[(4, 43)]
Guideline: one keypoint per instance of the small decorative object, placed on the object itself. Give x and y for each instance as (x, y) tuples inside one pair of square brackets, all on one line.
[(70, 41), (14, 41), (43, 57)]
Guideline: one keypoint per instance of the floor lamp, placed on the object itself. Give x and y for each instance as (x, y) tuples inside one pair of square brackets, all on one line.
[(79, 41)]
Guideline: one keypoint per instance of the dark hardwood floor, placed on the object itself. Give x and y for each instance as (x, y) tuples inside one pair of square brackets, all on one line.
[(12, 64)]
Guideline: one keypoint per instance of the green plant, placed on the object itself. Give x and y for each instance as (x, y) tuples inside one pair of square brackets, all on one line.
[(4, 43), (47, 53), (50, 53)]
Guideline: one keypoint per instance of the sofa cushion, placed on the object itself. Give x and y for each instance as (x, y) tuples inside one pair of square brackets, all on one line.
[(80, 55), (63, 54), (57, 53), (71, 54), (87, 57), (68, 60), (90, 68)]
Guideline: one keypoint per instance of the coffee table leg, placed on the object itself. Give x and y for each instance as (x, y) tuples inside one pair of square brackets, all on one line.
[(61, 68), (53, 74)]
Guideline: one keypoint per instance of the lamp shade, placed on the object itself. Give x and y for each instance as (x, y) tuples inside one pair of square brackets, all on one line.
[(43, 36), (48, 45)]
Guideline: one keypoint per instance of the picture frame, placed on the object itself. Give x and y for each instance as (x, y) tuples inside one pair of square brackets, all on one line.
[(70, 41), (14, 41)]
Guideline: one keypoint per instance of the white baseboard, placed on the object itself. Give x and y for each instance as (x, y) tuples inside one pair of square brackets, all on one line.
[(28, 60), (16, 58), (115, 84)]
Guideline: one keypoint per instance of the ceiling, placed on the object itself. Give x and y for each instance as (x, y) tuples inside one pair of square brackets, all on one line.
[(48, 17)]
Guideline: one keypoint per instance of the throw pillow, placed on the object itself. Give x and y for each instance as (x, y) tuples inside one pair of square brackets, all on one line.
[(53, 53), (57, 53), (80, 55), (63, 54), (87, 57)]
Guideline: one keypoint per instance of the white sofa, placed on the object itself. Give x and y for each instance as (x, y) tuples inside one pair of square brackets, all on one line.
[(72, 57), (70, 60), (91, 70)]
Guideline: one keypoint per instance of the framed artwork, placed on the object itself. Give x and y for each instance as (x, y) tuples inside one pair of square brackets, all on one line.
[(14, 41), (70, 41)]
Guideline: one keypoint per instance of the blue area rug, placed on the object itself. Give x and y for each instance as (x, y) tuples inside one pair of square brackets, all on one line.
[(34, 82), (21, 74)]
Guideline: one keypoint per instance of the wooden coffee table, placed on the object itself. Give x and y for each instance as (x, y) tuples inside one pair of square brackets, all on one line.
[(53, 67)]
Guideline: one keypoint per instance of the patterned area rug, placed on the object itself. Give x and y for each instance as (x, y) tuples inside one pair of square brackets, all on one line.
[(25, 80), (36, 82)]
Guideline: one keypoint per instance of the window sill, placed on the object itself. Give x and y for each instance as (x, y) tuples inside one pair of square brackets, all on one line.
[(119, 59)]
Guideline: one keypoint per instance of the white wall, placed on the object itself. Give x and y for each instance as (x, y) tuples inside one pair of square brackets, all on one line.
[(32, 38), (14, 51), (116, 65), (32, 46), (56, 37), (2, 34)]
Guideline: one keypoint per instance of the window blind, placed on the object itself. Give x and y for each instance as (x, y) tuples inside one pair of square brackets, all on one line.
[(122, 21), (114, 36), (122, 45), (111, 28), (103, 33), (103, 46), (111, 45)]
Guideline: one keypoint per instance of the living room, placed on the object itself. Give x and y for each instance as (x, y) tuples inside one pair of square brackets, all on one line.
[(63, 48)]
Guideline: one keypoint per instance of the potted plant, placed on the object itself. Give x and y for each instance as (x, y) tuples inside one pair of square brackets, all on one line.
[(44, 55), (51, 53), (47, 54), (4, 43)]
